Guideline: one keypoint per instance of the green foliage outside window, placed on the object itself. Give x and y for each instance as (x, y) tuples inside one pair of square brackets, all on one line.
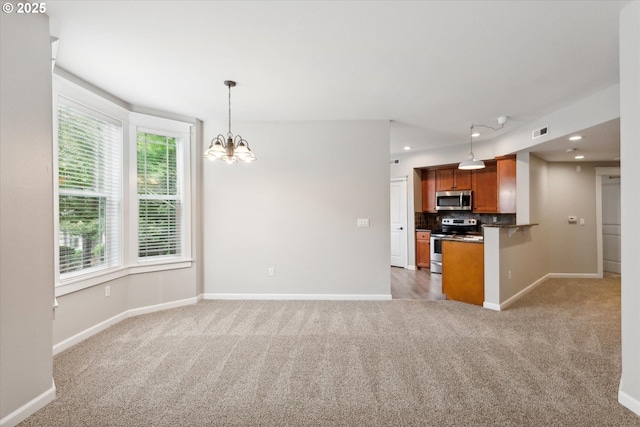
[(159, 207)]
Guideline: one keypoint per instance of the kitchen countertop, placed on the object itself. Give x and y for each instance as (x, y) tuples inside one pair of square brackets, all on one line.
[(508, 225), (465, 238)]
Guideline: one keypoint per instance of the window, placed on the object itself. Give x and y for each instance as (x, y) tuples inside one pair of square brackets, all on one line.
[(89, 189), (123, 193), (159, 196)]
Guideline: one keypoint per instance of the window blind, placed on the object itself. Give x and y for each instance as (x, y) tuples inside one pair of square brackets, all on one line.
[(89, 189), (160, 206)]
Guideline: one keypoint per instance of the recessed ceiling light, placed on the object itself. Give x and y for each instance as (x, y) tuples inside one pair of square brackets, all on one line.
[(579, 157), (475, 134), (575, 138), (407, 148)]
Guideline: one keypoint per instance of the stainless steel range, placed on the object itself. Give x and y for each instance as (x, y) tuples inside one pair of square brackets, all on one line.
[(450, 227)]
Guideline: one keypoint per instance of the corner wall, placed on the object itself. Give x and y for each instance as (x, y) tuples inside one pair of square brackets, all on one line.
[(26, 217), (629, 392)]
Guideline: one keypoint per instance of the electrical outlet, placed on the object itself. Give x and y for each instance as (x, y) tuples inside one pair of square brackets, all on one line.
[(107, 291), (509, 274), (272, 271)]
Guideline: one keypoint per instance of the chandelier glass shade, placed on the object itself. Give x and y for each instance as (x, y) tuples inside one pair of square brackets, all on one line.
[(231, 149)]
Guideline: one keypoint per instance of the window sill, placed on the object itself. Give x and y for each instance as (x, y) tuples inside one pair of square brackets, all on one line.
[(83, 282)]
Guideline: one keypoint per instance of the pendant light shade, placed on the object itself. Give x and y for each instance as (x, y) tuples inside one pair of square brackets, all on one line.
[(230, 149)]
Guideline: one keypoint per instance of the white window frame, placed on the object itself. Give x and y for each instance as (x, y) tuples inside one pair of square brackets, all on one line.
[(182, 131), (130, 264)]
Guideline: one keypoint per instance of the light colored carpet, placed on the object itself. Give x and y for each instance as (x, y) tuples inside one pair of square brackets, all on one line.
[(553, 359)]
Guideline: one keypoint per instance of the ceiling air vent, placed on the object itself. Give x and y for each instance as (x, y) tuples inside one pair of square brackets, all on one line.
[(539, 132), (393, 162)]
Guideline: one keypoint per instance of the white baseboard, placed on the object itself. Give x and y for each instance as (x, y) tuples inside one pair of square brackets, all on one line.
[(29, 408), (574, 276), (160, 307), (509, 301), (629, 402), (491, 306), (412, 267), (81, 336), (331, 297)]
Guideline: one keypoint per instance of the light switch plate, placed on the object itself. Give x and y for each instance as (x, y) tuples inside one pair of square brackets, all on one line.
[(363, 222)]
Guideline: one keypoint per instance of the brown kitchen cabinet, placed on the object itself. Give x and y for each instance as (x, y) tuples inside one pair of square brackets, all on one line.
[(506, 175), (452, 178), (494, 187), (423, 249), (428, 190), (485, 188), (463, 271)]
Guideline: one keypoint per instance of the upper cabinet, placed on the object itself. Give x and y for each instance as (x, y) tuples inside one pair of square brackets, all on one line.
[(494, 187), (507, 184), (428, 190), (485, 188), (452, 178)]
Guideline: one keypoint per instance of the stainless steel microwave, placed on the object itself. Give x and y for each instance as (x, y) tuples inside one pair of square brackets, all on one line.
[(454, 200)]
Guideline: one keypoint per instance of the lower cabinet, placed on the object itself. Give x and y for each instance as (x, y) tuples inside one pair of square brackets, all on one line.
[(423, 249)]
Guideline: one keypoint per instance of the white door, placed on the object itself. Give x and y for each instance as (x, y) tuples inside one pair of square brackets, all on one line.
[(399, 222), (611, 224)]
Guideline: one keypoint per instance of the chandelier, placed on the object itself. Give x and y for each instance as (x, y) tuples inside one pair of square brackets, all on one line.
[(230, 149)]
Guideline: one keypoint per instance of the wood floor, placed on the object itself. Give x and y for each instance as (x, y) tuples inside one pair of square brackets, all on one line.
[(416, 284)]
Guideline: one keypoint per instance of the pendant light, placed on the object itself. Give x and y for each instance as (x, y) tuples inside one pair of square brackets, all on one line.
[(230, 149), (471, 163)]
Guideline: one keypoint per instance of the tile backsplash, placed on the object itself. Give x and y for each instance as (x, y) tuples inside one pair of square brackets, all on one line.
[(431, 221)]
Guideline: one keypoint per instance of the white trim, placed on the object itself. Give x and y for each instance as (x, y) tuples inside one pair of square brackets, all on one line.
[(574, 276), (160, 307), (629, 402), (160, 266), (323, 297), (514, 298), (81, 336), (491, 306), (102, 277), (30, 408), (412, 267)]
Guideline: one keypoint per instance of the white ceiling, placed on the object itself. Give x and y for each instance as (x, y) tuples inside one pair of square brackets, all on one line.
[(433, 67)]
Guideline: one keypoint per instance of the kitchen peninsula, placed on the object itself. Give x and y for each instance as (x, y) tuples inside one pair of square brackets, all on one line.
[(463, 269)]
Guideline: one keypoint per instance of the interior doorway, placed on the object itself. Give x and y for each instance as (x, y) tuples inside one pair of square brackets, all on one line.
[(611, 249), (608, 220), (398, 202)]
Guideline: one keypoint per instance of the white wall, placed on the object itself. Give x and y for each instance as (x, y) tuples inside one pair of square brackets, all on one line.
[(629, 393), (26, 216), (295, 209)]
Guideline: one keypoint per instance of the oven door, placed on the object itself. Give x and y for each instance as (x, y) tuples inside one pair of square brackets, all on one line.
[(436, 253)]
